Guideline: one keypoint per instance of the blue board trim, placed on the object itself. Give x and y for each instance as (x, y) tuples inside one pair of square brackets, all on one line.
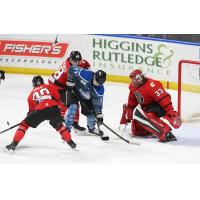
[(147, 38)]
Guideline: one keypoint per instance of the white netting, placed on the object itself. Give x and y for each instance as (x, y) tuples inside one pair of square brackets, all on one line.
[(190, 91)]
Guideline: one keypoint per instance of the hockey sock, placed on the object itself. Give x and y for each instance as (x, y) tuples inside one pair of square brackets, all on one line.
[(69, 118), (19, 134), (76, 117), (91, 122), (65, 134)]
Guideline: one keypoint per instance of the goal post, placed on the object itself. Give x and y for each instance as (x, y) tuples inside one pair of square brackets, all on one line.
[(189, 89)]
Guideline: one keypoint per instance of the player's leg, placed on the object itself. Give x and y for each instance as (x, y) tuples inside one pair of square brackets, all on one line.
[(87, 110), (19, 134), (76, 121), (33, 119), (91, 122), (72, 115), (62, 92), (72, 99), (138, 130), (56, 123), (151, 123)]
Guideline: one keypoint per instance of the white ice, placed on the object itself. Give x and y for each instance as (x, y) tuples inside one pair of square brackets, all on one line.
[(44, 145)]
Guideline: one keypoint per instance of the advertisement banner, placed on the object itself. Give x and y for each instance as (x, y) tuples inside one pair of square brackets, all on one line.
[(118, 56)]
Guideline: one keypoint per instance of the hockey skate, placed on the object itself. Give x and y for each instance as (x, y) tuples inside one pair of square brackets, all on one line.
[(77, 127), (72, 144), (95, 131), (11, 147), (169, 138)]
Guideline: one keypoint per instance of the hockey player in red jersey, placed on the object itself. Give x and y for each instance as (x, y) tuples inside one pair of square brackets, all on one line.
[(43, 104), (148, 102), (58, 80)]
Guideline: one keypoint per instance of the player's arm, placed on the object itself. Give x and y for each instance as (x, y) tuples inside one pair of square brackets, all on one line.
[(72, 75), (84, 64), (97, 100), (30, 103), (160, 96), (164, 100), (128, 108), (54, 93)]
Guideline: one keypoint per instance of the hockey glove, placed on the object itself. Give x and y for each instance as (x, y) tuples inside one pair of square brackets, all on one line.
[(127, 114), (70, 85), (2, 74), (174, 118), (99, 117)]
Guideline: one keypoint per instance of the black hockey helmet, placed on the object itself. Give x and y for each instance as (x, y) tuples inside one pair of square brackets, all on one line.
[(37, 80), (75, 56), (100, 77)]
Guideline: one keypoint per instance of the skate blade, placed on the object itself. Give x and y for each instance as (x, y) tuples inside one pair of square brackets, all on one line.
[(8, 151), (77, 130), (77, 150)]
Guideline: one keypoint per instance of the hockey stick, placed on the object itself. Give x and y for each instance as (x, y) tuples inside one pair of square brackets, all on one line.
[(127, 141), (9, 128), (101, 136)]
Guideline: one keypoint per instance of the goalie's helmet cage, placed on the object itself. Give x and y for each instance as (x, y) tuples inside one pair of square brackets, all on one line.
[(137, 77)]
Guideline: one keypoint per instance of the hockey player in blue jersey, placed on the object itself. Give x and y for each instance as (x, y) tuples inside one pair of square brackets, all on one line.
[(87, 88)]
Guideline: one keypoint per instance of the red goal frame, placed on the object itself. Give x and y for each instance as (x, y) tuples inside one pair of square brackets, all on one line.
[(180, 64)]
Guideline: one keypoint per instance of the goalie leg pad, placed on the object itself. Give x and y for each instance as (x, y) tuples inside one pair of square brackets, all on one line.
[(137, 129), (151, 123)]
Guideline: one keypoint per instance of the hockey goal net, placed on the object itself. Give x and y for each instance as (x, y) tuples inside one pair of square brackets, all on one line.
[(189, 90)]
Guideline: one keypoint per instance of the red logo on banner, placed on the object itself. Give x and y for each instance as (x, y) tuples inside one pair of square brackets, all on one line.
[(33, 48)]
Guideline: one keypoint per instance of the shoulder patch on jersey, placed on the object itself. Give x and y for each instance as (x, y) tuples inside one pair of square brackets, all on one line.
[(86, 75), (152, 84)]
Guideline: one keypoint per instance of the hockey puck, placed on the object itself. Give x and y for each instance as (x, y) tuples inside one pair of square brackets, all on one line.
[(105, 138)]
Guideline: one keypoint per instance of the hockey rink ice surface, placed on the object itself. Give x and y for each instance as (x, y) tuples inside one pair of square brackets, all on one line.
[(44, 145)]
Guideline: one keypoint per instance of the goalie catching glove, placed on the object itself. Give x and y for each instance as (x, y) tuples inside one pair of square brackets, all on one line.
[(127, 114), (174, 118)]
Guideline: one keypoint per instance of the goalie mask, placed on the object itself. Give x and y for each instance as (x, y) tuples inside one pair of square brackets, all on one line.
[(137, 78)]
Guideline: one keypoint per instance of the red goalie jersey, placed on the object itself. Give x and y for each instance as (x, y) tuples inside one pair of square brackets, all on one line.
[(150, 102), (151, 91)]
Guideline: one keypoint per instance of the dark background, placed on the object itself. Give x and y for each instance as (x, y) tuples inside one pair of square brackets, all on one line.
[(180, 37)]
